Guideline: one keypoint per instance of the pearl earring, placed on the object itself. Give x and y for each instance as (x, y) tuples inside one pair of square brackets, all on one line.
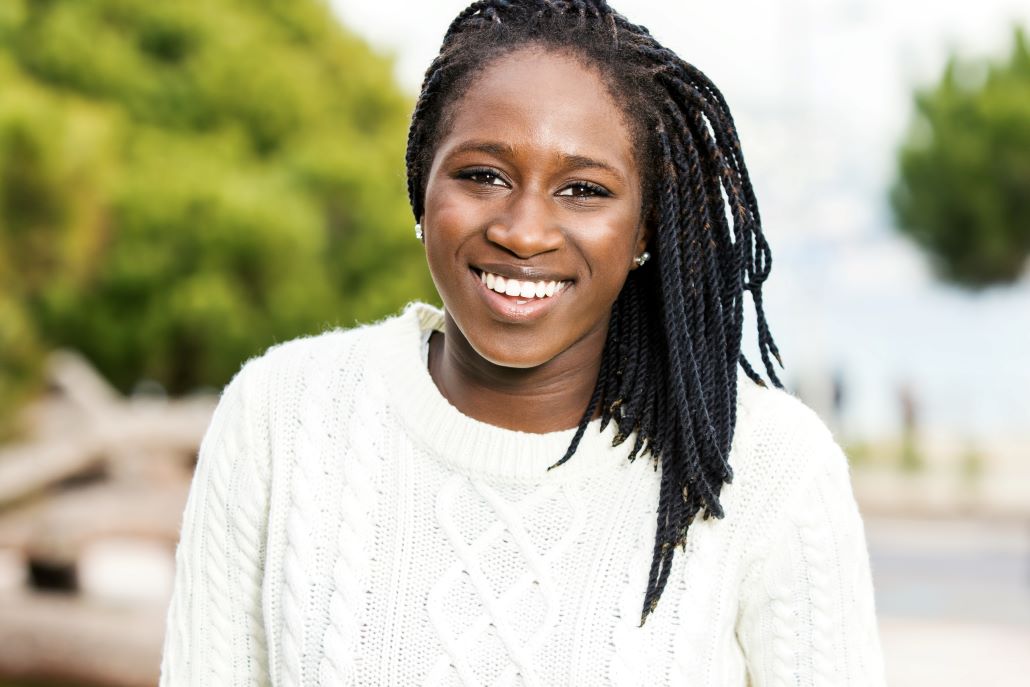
[(418, 231), (642, 258)]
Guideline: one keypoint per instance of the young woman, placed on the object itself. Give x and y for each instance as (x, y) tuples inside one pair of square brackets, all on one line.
[(570, 475)]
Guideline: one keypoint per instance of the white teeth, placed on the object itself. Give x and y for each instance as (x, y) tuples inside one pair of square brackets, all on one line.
[(521, 289)]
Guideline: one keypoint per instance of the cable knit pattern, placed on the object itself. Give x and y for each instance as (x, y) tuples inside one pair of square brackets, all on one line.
[(250, 489), (215, 630), (348, 526), (301, 519), (354, 512), (806, 614)]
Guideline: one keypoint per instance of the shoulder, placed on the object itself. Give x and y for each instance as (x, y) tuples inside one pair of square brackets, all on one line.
[(295, 356), (286, 364), (775, 425), (805, 590), (781, 448), (330, 363)]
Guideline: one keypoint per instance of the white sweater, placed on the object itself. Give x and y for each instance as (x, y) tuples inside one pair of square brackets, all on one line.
[(348, 526)]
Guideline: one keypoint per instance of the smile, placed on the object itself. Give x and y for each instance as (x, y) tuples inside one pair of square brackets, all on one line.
[(521, 289)]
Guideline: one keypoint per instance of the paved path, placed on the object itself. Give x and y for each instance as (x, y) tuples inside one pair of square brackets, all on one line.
[(947, 654), (953, 597)]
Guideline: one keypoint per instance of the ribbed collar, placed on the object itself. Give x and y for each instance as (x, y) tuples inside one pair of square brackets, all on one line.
[(469, 446)]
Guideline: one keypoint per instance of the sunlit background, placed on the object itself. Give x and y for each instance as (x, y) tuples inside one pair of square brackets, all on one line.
[(183, 184)]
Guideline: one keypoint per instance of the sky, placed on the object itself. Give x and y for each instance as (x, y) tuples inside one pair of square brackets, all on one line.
[(821, 92)]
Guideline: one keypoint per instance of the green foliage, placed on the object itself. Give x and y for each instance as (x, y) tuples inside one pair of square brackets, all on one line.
[(963, 192), (910, 454), (20, 359), (972, 463), (184, 183)]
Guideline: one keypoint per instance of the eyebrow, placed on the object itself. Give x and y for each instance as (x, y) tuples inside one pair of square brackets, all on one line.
[(504, 150), (584, 162)]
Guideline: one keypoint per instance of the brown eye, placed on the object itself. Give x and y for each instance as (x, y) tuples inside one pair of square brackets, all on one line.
[(487, 177), (583, 189)]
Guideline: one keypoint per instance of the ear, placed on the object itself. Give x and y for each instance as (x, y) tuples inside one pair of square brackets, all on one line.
[(645, 233), (645, 239)]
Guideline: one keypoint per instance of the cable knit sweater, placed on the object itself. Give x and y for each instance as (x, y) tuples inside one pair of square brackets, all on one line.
[(348, 526)]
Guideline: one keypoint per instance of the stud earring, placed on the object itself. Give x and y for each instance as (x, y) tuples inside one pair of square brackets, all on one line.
[(418, 231), (642, 258)]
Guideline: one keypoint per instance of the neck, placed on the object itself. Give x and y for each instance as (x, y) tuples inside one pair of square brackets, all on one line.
[(547, 398)]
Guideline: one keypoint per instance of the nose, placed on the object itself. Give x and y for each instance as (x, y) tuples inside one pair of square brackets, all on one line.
[(527, 227)]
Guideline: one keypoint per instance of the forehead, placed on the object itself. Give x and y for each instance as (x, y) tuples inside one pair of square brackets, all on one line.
[(539, 100)]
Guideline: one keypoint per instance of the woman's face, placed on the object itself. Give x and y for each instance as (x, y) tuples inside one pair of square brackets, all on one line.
[(533, 210)]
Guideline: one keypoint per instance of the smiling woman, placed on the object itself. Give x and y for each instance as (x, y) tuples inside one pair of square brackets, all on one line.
[(453, 497)]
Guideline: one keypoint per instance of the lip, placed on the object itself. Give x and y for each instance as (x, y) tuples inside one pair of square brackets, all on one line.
[(513, 308)]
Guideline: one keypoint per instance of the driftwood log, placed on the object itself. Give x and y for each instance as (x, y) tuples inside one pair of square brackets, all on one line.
[(66, 640), (52, 533), (100, 432), (98, 467)]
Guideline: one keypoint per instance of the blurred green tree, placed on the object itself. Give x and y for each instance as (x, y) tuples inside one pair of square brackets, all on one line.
[(183, 184), (963, 188)]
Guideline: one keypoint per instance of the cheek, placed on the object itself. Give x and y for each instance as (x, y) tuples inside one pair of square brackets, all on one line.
[(610, 247), (449, 224), (449, 213)]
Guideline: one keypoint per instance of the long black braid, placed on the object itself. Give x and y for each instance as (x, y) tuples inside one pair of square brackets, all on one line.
[(668, 372)]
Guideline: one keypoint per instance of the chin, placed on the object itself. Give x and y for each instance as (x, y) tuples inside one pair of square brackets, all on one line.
[(512, 355)]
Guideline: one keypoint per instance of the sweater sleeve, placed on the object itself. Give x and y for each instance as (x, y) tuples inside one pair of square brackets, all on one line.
[(214, 633), (807, 612)]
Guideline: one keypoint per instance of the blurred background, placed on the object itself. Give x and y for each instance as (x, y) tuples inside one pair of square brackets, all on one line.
[(184, 184)]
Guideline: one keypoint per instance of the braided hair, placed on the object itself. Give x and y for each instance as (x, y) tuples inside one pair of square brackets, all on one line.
[(668, 370)]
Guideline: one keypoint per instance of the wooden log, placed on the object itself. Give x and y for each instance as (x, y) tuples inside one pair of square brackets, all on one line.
[(101, 425), (70, 521), (136, 431), (171, 424), (31, 468), (71, 374), (51, 534), (17, 524), (47, 637), (154, 426), (95, 479)]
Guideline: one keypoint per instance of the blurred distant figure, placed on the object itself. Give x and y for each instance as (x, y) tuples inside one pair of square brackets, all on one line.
[(838, 391), (838, 396), (910, 457)]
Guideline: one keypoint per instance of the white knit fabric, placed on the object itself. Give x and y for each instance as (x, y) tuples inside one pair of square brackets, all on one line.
[(348, 526)]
